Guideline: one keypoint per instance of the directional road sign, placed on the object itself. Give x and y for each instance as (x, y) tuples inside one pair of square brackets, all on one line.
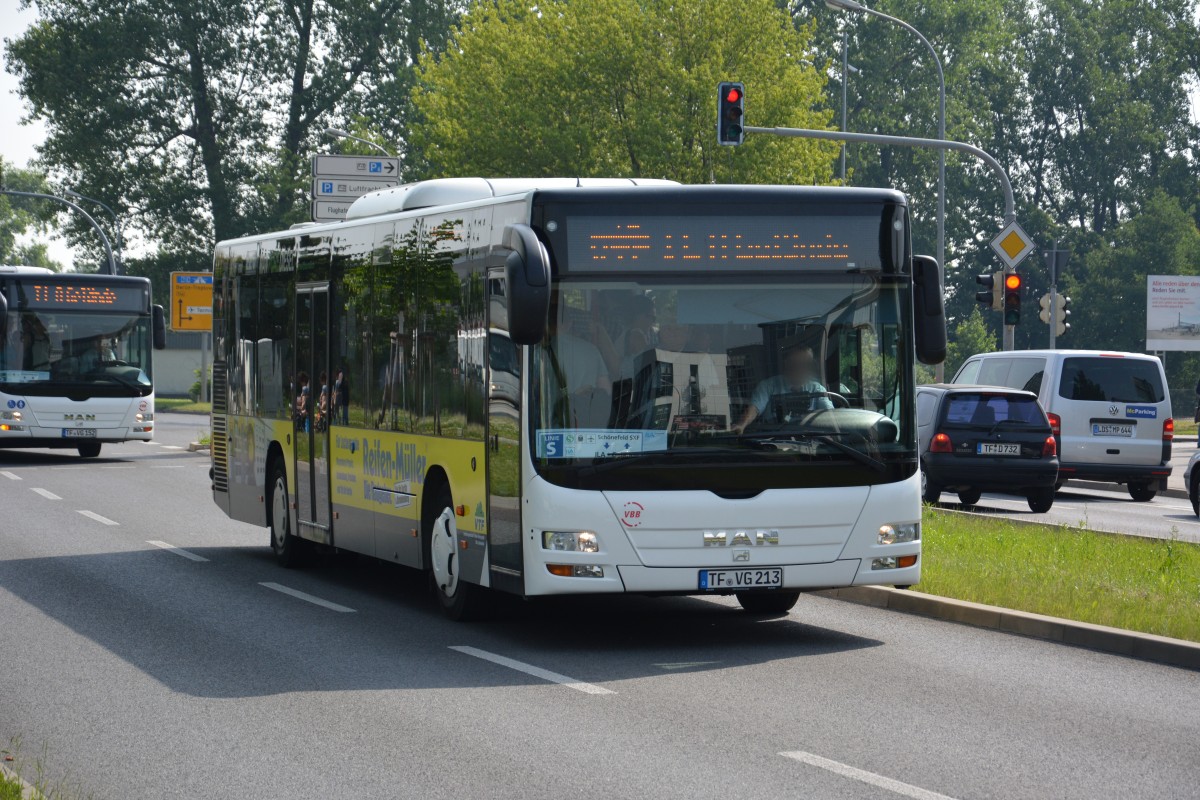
[(191, 301), (346, 188), (330, 210), (1012, 244), (356, 167)]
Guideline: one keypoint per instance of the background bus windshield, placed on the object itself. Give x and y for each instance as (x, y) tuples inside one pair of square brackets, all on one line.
[(657, 376)]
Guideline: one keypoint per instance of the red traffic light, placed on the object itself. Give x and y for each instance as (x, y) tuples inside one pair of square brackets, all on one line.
[(733, 95), (1012, 282)]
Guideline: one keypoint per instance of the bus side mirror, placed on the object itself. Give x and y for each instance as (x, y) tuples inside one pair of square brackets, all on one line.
[(929, 310), (160, 327), (527, 274)]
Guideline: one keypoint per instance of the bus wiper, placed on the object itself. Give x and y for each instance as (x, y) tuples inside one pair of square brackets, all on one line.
[(823, 438), (612, 462), (137, 387)]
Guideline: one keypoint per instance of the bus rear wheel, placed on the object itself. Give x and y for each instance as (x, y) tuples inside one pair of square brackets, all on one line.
[(458, 599), (777, 602), (289, 550), (89, 450)]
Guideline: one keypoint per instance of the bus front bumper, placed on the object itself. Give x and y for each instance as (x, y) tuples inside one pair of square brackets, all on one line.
[(807, 577)]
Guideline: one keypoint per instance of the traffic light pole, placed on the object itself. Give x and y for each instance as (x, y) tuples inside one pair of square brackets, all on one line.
[(1010, 208)]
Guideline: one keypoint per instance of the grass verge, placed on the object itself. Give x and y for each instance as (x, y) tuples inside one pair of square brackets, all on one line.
[(181, 405), (40, 787), (1148, 585)]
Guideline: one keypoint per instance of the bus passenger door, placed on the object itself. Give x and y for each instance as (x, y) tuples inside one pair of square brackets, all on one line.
[(312, 427)]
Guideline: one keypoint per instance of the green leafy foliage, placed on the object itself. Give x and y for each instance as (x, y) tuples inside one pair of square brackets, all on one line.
[(620, 88)]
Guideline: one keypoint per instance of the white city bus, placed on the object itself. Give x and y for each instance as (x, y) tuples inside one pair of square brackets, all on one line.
[(602, 440), (76, 369)]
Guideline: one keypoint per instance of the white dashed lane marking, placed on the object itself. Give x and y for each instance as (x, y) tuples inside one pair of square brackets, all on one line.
[(12, 476), (861, 775), (179, 551), (97, 517), (529, 669), (308, 598), (46, 493)]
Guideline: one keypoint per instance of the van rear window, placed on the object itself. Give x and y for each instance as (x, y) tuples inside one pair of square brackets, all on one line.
[(1120, 380), (988, 409), (1016, 373)]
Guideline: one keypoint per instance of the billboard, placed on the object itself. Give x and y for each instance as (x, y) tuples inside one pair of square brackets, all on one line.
[(1172, 312)]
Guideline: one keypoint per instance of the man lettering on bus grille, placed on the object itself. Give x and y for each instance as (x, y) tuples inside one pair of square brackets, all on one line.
[(799, 371)]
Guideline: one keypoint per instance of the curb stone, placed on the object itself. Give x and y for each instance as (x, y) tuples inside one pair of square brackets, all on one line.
[(28, 791), (1144, 646)]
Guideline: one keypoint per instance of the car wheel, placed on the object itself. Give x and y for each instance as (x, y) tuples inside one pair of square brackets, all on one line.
[(1194, 494), (969, 497), (930, 492), (777, 602), (1040, 500), (89, 450), (1142, 492)]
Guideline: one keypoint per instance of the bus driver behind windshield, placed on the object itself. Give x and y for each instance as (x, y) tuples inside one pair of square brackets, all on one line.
[(798, 378)]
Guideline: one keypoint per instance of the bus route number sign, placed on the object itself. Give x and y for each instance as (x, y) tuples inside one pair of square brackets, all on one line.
[(191, 301)]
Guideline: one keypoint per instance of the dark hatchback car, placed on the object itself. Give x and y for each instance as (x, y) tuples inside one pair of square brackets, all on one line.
[(976, 439)]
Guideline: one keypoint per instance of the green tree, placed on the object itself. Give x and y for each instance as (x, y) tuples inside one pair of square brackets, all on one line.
[(621, 88), (20, 217), (193, 119), (970, 336)]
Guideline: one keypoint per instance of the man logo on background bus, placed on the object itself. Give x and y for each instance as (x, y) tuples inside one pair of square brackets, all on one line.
[(798, 378)]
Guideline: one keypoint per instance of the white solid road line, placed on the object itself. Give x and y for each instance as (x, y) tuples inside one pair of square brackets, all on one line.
[(846, 771), (179, 551), (170, 447), (46, 493), (529, 669), (95, 516), (12, 476), (307, 597)]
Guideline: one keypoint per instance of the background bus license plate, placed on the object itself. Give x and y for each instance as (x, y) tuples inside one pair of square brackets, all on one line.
[(1109, 429), (741, 578), (998, 449), (79, 433)]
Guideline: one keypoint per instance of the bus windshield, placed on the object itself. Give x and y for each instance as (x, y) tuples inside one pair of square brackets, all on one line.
[(79, 354), (739, 383)]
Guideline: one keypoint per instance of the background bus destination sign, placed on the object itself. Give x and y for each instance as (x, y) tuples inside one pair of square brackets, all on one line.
[(55, 295), (607, 243)]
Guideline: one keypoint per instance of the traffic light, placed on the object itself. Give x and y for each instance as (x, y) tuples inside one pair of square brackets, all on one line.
[(731, 102), (993, 296), (1012, 298)]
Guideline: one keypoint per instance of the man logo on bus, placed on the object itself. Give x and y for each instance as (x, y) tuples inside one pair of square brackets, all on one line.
[(632, 517)]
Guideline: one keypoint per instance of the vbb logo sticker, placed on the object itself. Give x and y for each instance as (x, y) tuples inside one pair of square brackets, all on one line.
[(632, 515)]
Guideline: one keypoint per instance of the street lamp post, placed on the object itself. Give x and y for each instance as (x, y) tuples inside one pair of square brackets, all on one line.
[(859, 8), (120, 238), (338, 133), (112, 265)]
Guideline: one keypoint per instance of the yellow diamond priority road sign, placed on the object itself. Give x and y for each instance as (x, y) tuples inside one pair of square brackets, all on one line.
[(1012, 244)]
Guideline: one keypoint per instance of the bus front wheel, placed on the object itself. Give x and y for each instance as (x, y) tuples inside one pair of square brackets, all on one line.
[(289, 549), (459, 600), (778, 602), (89, 450)]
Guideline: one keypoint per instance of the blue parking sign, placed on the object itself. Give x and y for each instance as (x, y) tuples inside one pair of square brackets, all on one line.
[(376, 166), (326, 187)]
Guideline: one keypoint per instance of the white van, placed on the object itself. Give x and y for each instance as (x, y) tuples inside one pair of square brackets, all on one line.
[(1110, 412)]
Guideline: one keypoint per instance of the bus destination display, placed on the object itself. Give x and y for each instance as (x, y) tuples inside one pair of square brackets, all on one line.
[(82, 296), (670, 243)]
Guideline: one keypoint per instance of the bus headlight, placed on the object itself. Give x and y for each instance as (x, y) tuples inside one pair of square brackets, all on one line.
[(573, 541), (144, 416), (13, 415), (899, 532)]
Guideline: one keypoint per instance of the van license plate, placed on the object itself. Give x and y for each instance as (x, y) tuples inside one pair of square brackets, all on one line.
[(998, 449), (1111, 429), (713, 579), (79, 433)]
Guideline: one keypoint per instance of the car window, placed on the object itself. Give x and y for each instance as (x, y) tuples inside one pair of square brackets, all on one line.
[(1017, 372), (968, 373), (1120, 380), (986, 409), (926, 406)]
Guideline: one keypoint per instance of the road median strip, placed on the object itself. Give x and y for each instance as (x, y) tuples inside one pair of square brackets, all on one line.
[(1134, 644)]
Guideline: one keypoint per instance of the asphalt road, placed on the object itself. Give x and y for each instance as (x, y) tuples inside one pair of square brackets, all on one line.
[(144, 673), (1106, 507)]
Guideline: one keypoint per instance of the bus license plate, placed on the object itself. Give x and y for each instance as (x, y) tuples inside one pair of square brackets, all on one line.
[(1111, 429), (713, 579), (79, 433), (998, 449)]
